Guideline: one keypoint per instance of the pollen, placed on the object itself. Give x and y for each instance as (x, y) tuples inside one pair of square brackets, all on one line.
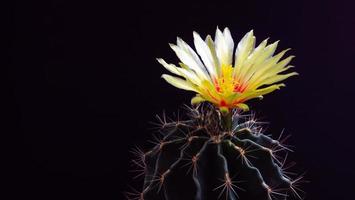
[(226, 84)]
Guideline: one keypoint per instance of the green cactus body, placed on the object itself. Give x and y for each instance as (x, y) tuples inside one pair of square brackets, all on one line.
[(201, 159)]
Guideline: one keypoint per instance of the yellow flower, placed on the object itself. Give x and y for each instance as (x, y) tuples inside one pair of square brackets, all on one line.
[(213, 75)]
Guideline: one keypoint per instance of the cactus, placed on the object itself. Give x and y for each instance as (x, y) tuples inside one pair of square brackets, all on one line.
[(219, 151), (200, 159)]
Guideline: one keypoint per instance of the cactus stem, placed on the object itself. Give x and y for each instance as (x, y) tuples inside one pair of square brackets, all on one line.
[(227, 121), (231, 142)]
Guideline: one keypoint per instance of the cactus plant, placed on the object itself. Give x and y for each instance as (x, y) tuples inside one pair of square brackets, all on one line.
[(219, 151)]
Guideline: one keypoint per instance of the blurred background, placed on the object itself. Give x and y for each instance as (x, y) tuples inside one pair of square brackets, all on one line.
[(85, 85)]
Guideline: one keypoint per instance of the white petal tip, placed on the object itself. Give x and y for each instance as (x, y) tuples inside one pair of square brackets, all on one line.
[(173, 46), (195, 35), (161, 61)]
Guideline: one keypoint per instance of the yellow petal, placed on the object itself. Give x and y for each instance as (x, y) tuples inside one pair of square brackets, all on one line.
[(243, 106), (251, 59), (278, 78), (270, 71), (170, 67), (260, 92), (189, 75), (224, 110), (179, 83), (197, 99), (257, 70)]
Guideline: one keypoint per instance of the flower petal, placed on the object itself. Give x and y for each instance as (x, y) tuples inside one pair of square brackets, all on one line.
[(278, 78), (184, 46), (244, 48), (251, 59), (190, 76), (188, 59), (224, 46), (257, 70), (260, 92), (205, 54), (179, 83), (268, 71), (212, 48), (243, 106), (197, 99), (170, 67)]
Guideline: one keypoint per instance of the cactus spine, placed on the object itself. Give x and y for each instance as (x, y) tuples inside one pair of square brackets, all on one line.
[(212, 156)]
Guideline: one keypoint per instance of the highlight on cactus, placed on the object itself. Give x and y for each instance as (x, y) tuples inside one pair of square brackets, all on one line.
[(219, 151)]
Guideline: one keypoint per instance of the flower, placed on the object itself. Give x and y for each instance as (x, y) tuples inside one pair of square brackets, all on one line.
[(213, 75)]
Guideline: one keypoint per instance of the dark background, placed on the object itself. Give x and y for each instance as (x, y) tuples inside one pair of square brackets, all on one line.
[(85, 84)]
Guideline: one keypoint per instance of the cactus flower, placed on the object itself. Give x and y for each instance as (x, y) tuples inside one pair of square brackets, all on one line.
[(224, 76)]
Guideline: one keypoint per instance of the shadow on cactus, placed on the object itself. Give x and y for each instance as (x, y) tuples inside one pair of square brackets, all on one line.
[(219, 151)]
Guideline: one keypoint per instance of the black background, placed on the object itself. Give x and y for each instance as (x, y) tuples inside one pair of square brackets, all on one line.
[(85, 84)]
